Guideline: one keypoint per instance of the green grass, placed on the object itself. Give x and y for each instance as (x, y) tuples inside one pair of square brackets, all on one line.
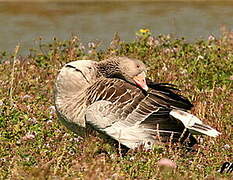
[(35, 146)]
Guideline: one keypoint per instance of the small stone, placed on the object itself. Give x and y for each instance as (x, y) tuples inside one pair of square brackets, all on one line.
[(164, 162)]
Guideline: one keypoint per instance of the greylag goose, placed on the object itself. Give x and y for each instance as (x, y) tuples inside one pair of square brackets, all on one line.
[(114, 96)]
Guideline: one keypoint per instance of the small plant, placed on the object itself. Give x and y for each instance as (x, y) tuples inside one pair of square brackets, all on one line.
[(35, 146)]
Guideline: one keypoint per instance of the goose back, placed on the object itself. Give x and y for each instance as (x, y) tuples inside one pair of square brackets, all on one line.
[(126, 112)]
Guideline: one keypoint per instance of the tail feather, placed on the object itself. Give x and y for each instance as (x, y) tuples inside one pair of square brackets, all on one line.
[(193, 124)]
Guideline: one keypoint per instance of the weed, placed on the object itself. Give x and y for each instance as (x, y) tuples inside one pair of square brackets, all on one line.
[(35, 146)]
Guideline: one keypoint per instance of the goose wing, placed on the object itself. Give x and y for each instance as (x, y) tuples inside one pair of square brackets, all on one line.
[(128, 114), (169, 93), (114, 97), (179, 105)]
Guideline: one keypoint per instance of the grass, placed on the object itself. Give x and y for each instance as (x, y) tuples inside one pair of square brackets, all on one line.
[(34, 145)]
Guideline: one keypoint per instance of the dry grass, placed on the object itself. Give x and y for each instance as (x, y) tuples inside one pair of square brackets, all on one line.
[(35, 146)]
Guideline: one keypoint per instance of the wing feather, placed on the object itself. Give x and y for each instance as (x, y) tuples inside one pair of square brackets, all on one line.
[(117, 107)]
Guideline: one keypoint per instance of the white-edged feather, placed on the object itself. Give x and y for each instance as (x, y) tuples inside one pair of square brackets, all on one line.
[(194, 124)]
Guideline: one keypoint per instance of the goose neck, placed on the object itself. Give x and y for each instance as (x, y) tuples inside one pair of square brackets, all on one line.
[(108, 68)]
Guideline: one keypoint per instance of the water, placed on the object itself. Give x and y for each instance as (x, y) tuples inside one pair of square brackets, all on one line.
[(24, 22)]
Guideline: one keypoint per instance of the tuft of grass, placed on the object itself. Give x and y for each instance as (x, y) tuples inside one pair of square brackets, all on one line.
[(34, 145)]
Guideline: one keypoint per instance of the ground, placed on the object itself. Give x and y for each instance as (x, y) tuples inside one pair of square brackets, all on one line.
[(34, 145)]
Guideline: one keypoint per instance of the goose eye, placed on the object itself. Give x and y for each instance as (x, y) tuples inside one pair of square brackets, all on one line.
[(138, 66)]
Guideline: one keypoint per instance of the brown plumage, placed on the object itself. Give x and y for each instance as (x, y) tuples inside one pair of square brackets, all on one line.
[(113, 97)]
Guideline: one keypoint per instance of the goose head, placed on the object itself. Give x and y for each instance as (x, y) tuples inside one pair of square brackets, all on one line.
[(130, 70)]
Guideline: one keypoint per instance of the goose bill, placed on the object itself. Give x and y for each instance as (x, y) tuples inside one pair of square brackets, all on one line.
[(140, 80)]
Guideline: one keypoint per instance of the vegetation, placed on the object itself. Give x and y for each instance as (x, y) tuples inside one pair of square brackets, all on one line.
[(34, 145)]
